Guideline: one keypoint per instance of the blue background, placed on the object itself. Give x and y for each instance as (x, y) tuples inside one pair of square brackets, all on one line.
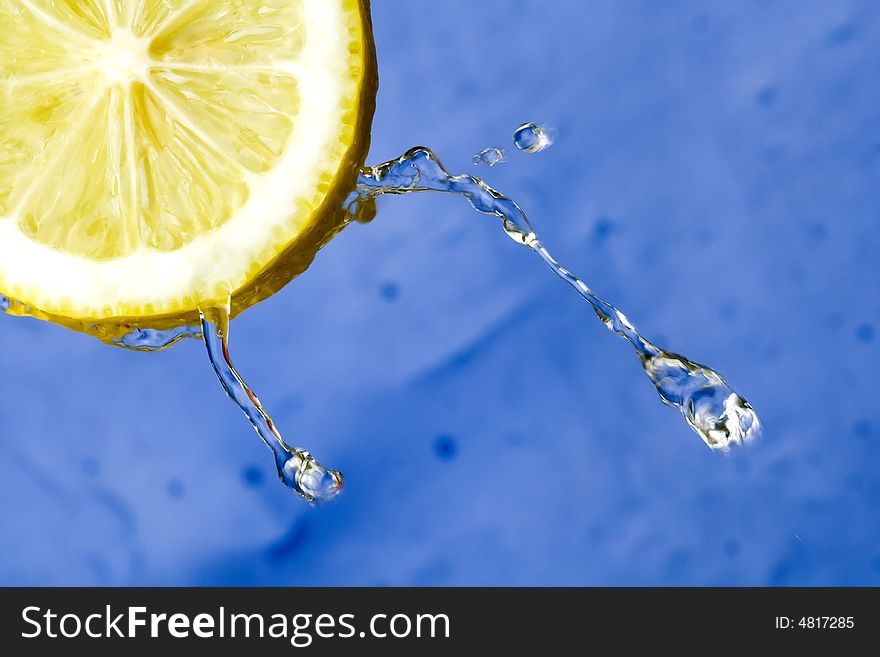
[(715, 175)]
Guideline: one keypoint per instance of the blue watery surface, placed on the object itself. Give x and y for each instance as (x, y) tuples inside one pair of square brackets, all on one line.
[(714, 173)]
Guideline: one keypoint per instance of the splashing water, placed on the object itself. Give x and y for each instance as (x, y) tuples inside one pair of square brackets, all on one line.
[(296, 467), (532, 138), (709, 405), (156, 340), (491, 156)]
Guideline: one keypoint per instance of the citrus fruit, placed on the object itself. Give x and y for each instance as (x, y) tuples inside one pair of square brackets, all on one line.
[(158, 156)]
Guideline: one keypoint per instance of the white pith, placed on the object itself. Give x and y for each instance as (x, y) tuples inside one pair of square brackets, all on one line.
[(215, 264)]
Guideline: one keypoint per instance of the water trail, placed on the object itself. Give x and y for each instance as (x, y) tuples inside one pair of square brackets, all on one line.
[(137, 339), (491, 156), (533, 138), (709, 405), (296, 467), (156, 340)]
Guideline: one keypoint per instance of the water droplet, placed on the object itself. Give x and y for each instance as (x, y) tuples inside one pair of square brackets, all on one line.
[(532, 138), (314, 482), (490, 156), (720, 416)]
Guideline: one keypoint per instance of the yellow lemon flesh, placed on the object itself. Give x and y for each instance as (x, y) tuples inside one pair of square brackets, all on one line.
[(158, 156)]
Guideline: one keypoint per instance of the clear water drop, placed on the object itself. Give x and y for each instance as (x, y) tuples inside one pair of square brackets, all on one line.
[(315, 482), (532, 138), (709, 405), (491, 156)]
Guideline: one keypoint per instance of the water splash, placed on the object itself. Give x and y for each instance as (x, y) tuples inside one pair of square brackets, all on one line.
[(709, 405), (532, 138), (491, 156), (156, 340), (297, 468), (136, 339)]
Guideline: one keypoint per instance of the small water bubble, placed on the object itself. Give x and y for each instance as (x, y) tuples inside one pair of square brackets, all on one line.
[(491, 156), (532, 138)]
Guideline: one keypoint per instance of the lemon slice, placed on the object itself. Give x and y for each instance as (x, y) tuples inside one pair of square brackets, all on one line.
[(158, 156)]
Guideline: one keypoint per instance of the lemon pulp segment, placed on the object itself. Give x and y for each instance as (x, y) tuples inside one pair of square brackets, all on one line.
[(159, 155)]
